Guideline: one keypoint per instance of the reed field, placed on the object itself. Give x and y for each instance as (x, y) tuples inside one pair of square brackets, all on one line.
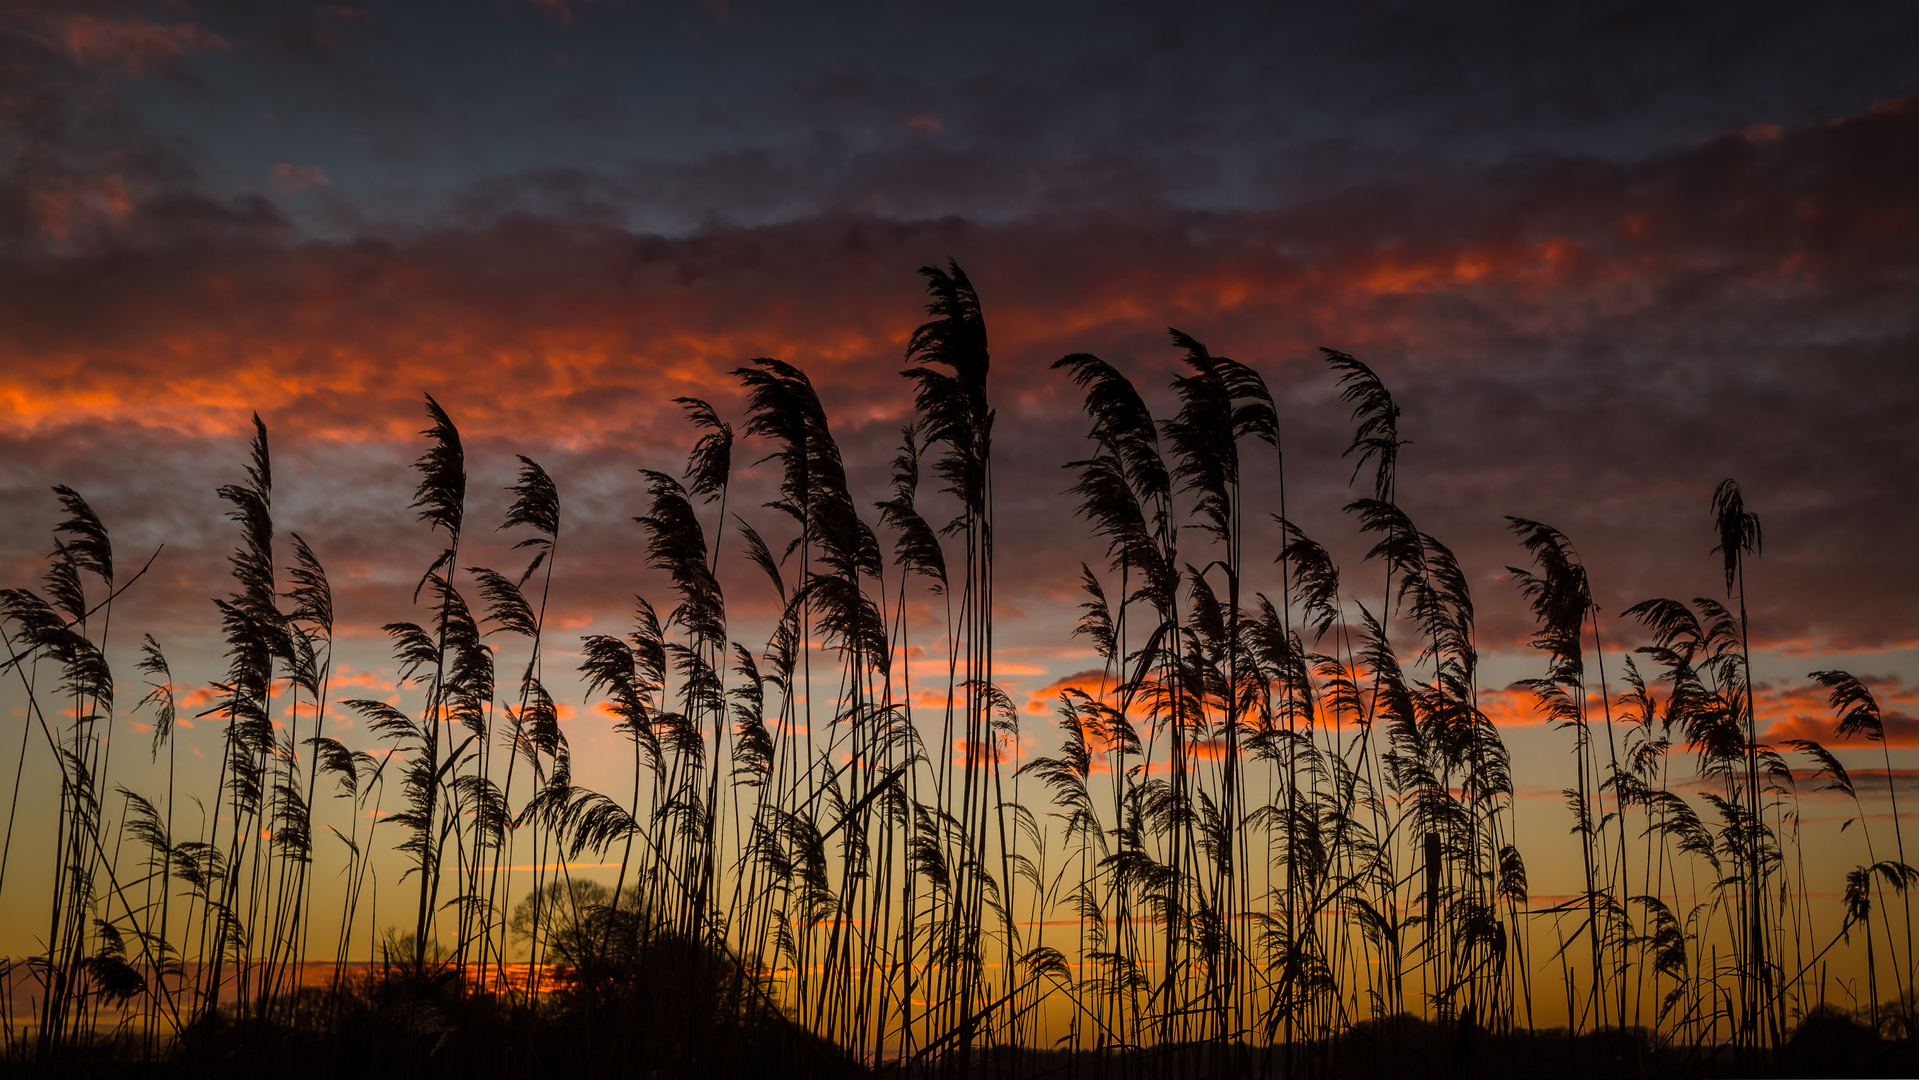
[(1276, 836)]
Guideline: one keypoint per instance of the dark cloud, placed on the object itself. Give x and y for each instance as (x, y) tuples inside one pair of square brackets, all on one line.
[(85, 171), (671, 116)]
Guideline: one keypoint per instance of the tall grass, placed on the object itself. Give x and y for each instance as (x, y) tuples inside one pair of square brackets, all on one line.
[(1278, 819)]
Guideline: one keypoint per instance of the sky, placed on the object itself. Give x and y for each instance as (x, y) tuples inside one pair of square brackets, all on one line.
[(1605, 255)]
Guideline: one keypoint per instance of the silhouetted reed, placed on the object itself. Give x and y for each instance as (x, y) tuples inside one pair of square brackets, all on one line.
[(1278, 833)]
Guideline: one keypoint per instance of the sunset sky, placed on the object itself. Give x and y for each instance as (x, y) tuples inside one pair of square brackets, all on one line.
[(1605, 257)]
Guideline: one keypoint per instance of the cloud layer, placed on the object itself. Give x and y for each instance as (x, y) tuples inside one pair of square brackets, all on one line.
[(1589, 344)]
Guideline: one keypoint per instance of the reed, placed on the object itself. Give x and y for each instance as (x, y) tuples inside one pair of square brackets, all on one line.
[(1278, 831)]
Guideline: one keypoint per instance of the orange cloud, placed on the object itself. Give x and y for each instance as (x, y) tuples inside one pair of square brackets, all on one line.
[(1093, 682), (345, 676), (1005, 748), (1511, 706), (1807, 714)]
